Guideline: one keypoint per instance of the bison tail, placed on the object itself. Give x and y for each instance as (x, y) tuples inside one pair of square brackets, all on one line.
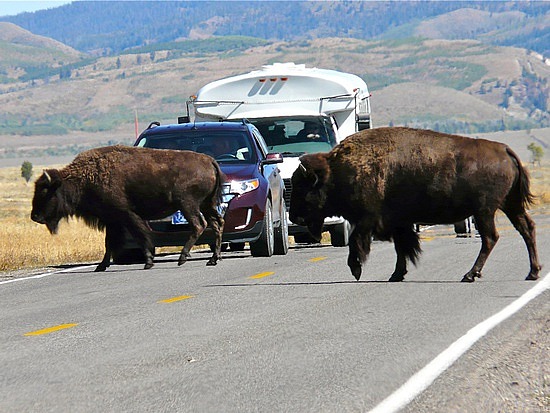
[(220, 180), (407, 243), (526, 197)]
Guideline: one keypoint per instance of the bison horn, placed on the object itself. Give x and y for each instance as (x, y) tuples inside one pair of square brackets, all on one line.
[(48, 177), (304, 170)]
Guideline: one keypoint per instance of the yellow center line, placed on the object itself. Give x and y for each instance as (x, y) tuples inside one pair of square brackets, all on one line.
[(262, 275), (50, 329), (317, 259), (174, 299)]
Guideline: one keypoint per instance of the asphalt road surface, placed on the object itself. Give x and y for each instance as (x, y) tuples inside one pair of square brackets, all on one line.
[(281, 334)]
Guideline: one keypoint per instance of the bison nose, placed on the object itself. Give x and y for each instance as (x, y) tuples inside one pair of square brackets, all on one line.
[(36, 218)]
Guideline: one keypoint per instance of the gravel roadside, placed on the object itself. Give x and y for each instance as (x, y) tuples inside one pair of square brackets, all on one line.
[(507, 371)]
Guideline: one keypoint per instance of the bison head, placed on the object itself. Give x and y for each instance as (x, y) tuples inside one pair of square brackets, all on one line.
[(310, 184), (47, 200)]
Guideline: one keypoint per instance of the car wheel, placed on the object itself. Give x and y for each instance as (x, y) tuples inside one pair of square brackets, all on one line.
[(129, 256), (263, 247), (339, 234), (281, 233)]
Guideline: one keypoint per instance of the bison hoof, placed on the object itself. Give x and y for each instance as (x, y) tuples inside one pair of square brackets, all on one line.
[(471, 277), (356, 271), (100, 268), (532, 277), (395, 278), (148, 265), (212, 261)]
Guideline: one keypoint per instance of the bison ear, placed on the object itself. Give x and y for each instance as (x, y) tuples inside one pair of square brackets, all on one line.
[(316, 167), (53, 178)]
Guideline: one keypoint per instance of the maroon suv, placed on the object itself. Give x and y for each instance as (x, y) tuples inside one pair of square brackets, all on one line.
[(253, 195)]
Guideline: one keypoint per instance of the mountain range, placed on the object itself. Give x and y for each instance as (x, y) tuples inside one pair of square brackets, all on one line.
[(81, 72)]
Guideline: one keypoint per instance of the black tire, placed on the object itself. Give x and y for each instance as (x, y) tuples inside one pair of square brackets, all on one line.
[(263, 247), (129, 256), (339, 234), (281, 233)]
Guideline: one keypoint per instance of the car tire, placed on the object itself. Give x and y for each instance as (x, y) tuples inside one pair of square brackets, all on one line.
[(339, 234), (129, 256), (263, 247), (281, 233)]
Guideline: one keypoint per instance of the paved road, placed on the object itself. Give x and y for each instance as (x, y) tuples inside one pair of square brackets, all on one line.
[(284, 334)]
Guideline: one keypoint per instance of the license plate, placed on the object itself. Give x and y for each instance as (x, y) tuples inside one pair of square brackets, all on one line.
[(179, 219)]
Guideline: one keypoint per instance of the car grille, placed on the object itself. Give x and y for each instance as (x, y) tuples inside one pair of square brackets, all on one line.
[(288, 191)]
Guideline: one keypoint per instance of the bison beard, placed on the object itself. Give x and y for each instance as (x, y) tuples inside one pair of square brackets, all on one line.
[(385, 180), (118, 188)]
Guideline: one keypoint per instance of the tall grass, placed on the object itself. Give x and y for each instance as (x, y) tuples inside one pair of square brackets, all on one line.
[(25, 244)]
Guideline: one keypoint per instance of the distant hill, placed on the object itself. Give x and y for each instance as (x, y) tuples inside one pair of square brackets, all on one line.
[(26, 56), (439, 67), (109, 27)]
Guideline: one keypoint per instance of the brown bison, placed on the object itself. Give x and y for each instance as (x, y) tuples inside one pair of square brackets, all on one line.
[(384, 180), (117, 188)]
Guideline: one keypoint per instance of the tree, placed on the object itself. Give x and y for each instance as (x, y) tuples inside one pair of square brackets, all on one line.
[(536, 153), (26, 170)]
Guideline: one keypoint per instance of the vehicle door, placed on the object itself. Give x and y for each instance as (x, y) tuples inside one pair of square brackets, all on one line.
[(272, 174)]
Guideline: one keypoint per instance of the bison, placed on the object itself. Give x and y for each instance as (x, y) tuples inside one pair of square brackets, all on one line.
[(385, 180), (117, 188)]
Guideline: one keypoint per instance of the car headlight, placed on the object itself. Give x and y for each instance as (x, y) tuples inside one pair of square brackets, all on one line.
[(241, 187)]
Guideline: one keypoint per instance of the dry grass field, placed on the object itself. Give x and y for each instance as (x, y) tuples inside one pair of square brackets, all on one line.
[(25, 244)]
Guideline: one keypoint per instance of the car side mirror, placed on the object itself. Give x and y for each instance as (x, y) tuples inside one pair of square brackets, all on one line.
[(272, 158)]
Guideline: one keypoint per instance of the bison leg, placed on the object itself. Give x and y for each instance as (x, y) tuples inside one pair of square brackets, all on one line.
[(407, 246), (112, 236), (138, 229), (485, 224), (359, 249), (105, 262), (526, 227), (197, 224), (216, 222)]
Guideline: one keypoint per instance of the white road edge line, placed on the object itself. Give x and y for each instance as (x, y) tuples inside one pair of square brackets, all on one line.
[(421, 380), (34, 277)]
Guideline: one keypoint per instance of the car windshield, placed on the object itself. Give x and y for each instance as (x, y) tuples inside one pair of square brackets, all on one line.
[(224, 146), (297, 135)]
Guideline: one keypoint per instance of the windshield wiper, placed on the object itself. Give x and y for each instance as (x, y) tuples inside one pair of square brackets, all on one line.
[(292, 153)]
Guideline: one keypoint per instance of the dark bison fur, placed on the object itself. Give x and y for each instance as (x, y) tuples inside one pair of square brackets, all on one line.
[(385, 180), (118, 188)]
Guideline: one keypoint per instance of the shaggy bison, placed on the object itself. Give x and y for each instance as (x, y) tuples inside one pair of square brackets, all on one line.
[(117, 188), (384, 180)]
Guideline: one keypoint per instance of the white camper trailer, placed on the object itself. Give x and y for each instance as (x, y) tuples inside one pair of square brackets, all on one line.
[(298, 110)]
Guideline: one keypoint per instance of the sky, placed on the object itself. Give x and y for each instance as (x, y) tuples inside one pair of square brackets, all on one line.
[(10, 7)]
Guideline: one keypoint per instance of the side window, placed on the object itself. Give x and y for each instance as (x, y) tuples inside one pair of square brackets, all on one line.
[(261, 143)]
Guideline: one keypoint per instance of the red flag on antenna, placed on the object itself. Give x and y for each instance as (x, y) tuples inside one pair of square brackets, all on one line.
[(136, 123)]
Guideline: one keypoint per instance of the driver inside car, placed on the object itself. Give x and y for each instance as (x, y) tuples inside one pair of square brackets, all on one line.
[(222, 147)]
